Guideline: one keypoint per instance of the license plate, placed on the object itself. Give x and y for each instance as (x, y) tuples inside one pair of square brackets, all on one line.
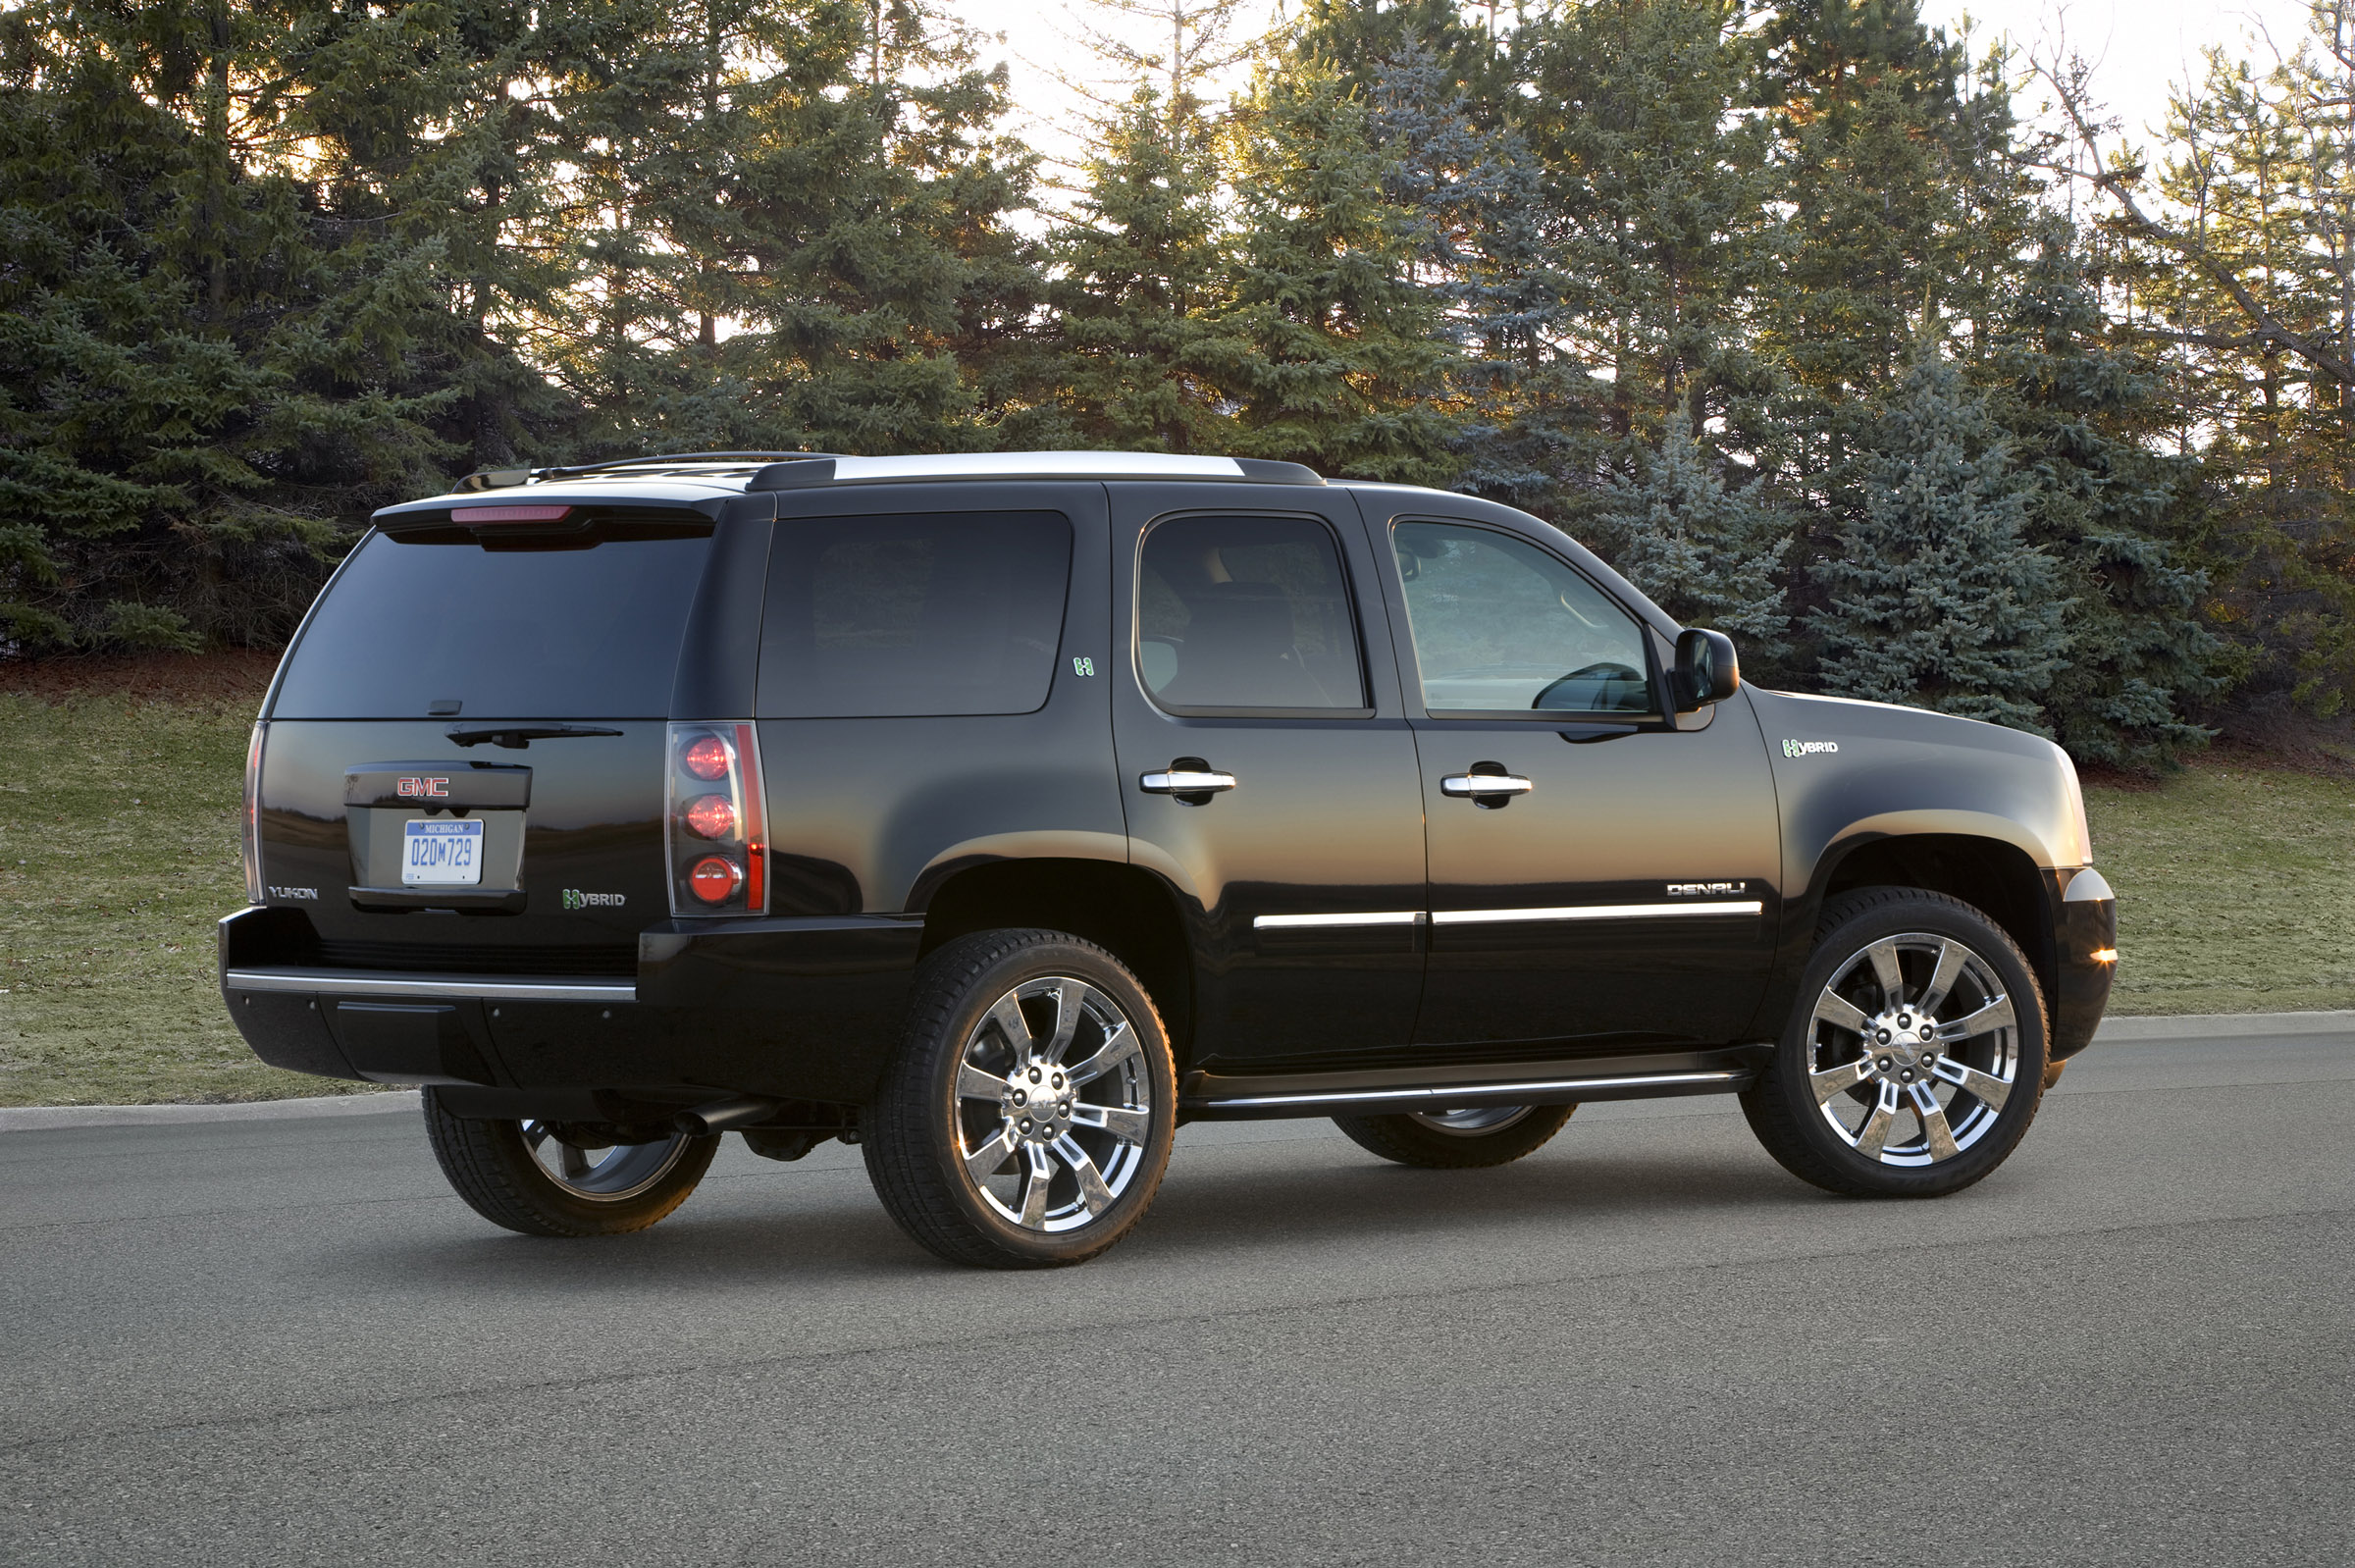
[(441, 853)]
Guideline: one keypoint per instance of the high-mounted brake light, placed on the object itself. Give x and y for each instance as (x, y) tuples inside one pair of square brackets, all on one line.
[(713, 820), (468, 516)]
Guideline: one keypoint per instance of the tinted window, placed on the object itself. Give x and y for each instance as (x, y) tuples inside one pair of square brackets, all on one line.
[(589, 631), (1502, 626), (1246, 612), (876, 617)]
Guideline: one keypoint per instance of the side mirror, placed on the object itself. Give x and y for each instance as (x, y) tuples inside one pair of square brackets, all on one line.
[(1707, 668)]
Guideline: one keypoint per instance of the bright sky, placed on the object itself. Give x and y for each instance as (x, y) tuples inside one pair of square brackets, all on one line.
[(2139, 47)]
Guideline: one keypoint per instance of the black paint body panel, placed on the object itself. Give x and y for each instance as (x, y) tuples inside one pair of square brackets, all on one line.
[(875, 826)]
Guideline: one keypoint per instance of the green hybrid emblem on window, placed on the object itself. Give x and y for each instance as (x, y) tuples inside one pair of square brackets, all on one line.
[(1808, 748), (1083, 666)]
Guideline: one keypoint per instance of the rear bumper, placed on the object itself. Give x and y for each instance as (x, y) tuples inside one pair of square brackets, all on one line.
[(2084, 956), (806, 1009)]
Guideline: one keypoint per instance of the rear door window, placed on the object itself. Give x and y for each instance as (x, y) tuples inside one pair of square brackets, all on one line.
[(586, 629), (1246, 613), (913, 617)]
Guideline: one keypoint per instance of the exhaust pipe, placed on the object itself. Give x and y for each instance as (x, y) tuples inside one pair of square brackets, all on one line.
[(718, 1115)]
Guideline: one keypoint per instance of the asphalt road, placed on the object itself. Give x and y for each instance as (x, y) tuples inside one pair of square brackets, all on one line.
[(286, 1341)]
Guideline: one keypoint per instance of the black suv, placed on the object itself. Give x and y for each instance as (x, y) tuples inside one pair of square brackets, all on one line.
[(999, 814)]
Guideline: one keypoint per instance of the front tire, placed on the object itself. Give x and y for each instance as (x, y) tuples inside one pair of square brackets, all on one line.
[(1461, 1139), (1026, 1118), (545, 1178), (1914, 1058)]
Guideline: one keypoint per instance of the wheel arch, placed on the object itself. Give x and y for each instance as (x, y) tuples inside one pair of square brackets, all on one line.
[(1129, 913), (1992, 874)]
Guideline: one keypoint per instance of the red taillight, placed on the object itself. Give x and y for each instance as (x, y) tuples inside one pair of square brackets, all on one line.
[(712, 817), (714, 879), (253, 816), (713, 791)]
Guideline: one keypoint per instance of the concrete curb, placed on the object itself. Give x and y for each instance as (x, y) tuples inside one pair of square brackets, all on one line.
[(2224, 1025), (32, 1118)]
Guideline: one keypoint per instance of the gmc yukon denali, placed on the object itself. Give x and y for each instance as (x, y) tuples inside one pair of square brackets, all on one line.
[(998, 815)]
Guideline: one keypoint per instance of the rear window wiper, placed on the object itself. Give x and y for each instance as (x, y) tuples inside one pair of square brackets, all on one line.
[(514, 737)]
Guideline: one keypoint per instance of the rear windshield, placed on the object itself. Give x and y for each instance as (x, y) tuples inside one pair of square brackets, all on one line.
[(413, 626)]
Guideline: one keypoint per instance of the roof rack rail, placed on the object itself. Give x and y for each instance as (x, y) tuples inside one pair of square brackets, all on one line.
[(809, 469), (501, 478)]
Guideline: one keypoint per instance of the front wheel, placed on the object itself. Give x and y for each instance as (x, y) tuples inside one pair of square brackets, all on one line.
[(547, 1178), (1026, 1118), (1915, 1056), (1459, 1139)]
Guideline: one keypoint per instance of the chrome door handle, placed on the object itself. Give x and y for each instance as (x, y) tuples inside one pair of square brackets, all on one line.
[(1476, 786), (1185, 782)]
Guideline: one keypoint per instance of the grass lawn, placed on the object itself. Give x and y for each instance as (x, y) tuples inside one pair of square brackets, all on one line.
[(119, 851)]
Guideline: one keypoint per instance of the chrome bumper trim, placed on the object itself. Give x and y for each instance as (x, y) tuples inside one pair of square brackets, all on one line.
[(376, 982), (1466, 1094)]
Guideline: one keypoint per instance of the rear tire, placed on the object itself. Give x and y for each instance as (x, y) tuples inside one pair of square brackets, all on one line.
[(1914, 1058), (593, 1191), (1458, 1141), (1025, 1120)]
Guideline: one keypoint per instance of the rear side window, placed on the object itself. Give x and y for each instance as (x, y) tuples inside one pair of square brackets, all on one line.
[(586, 629), (904, 617), (1246, 612)]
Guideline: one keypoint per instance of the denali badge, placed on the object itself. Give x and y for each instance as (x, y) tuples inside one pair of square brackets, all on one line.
[(425, 789), (1808, 748), (1704, 890), (575, 899), (311, 893)]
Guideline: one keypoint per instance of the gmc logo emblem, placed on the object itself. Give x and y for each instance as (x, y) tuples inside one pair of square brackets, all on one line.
[(424, 789)]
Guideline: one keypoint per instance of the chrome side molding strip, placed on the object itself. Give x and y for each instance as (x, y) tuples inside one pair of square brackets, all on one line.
[(1492, 1093), (376, 982), (1294, 922), (1597, 911)]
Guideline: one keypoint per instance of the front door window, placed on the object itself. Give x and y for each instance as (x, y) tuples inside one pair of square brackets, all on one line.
[(1501, 628)]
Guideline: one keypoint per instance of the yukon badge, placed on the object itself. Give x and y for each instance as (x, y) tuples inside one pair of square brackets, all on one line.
[(1808, 748)]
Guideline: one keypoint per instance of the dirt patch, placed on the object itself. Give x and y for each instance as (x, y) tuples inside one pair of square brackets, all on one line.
[(231, 676)]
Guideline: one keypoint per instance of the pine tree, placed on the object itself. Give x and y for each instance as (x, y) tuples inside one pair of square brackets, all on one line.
[(1332, 352), (216, 354), (1139, 261), (2081, 415), (1483, 248), (1141, 274), (1706, 555), (1935, 598)]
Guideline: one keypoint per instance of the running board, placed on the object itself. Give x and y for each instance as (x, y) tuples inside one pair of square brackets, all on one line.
[(1221, 1098)]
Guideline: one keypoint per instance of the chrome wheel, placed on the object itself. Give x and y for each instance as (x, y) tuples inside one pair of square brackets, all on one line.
[(1913, 1048), (601, 1172), (1471, 1121), (1054, 1104)]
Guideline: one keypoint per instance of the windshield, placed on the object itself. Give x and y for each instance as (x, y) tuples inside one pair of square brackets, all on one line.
[(443, 628)]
